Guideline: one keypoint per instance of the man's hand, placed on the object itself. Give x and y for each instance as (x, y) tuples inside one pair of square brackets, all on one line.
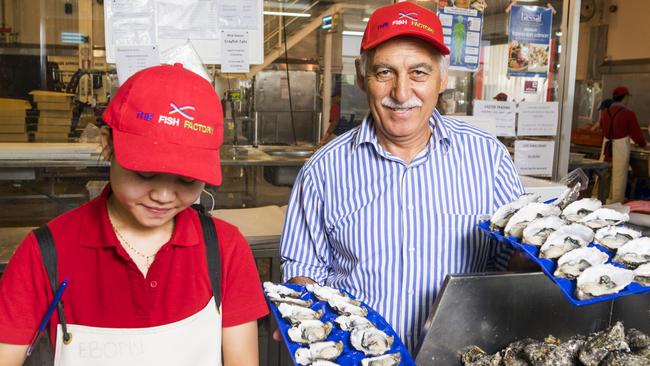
[(324, 139), (297, 281)]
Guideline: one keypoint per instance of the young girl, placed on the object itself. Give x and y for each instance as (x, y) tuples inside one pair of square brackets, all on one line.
[(141, 289)]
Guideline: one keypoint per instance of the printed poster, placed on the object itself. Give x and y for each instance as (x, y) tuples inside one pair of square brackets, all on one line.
[(529, 40), (461, 29)]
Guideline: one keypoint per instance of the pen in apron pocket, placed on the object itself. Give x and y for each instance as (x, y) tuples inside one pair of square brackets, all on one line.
[(48, 315)]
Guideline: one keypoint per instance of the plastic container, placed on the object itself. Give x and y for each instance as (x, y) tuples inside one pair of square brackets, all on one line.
[(350, 356), (548, 266)]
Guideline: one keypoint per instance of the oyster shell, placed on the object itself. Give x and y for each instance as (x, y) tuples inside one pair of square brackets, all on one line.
[(538, 230), (526, 214), (501, 216), (371, 341), (280, 290), (323, 363), (581, 208), (637, 340), (604, 217), (564, 239), (349, 322), (278, 299), (319, 351), (602, 279), (295, 314), (624, 359), (634, 253), (391, 359), (475, 356), (343, 307), (568, 196), (600, 344), (613, 237), (574, 262), (309, 331), (324, 293), (642, 274)]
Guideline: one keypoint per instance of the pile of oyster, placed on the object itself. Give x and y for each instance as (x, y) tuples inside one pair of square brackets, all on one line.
[(588, 242), (611, 347), (311, 333)]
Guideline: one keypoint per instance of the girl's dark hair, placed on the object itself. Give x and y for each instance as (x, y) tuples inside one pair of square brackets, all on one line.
[(618, 98)]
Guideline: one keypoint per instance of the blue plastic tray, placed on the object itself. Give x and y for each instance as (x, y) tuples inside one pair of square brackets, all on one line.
[(350, 356), (567, 286)]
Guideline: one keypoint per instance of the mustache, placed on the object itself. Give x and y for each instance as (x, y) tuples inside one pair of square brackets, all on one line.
[(391, 103)]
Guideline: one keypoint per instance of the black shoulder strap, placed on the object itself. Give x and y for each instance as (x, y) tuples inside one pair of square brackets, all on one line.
[(212, 252), (49, 257)]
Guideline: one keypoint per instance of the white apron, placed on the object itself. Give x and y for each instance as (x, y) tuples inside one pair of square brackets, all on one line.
[(195, 340), (620, 166)]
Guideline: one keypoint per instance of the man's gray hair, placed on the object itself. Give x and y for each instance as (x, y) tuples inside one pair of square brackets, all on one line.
[(441, 60)]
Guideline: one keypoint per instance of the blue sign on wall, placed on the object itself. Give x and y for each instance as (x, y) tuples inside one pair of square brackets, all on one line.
[(529, 39)]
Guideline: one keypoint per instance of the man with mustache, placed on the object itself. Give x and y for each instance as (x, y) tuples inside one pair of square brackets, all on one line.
[(388, 209)]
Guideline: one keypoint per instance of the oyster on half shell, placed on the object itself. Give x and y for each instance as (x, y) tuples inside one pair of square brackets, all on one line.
[(642, 274), (602, 279), (613, 237), (634, 253), (581, 208), (538, 230), (391, 359), (604, 217), (574, 262), (309, 331), (295, 314), (319, 351), (565, 239), (526, 214), (371, 341), (501, 216)]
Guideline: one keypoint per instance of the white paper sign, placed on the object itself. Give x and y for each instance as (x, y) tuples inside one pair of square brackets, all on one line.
[(235, 51), (537, 119), (131, 59), (534, 157), (484, 124), (503, 113)]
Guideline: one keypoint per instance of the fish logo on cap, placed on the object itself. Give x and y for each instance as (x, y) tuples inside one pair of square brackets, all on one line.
[(180, 110), (410, 15)]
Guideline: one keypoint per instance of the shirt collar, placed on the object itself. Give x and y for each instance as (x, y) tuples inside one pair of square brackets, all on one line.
[(96, 230), (439, 135)]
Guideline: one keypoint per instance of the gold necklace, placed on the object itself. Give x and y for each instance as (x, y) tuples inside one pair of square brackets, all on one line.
[(148, 259)]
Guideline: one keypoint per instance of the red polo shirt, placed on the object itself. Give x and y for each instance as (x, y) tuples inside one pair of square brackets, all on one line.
[(105, 287)]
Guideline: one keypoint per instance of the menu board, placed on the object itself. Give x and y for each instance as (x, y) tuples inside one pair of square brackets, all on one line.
[(529, 39)]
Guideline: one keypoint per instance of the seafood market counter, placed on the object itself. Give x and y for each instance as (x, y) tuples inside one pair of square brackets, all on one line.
[(493, 310)]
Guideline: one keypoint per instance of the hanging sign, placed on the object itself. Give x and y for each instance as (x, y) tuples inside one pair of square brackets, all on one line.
[(503, 113), (461, 29), (534, 157), (538, 119), (529, 39)]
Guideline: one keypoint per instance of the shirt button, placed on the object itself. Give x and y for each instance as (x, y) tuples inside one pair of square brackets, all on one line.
[(153, 284), (410, 292), (411, 249), (411, 207)]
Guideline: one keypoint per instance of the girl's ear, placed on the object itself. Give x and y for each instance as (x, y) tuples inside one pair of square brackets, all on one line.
[(106, 141)]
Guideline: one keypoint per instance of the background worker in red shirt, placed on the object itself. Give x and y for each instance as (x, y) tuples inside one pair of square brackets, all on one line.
[(148, 282), (619, 125)]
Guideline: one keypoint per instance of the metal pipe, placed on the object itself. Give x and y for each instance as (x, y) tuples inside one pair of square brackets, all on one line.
[(327, 82), (568, 59), (256, 122)]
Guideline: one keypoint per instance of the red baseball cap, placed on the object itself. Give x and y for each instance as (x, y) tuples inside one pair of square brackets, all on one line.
[(167, 119), (620, 91), (403, 19)]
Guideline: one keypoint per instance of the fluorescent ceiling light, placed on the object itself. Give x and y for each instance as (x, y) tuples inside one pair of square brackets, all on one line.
[(352, 33), (280, 13)]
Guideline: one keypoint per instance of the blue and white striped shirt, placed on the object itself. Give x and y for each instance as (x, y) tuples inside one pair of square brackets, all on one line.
[(361, 219)]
